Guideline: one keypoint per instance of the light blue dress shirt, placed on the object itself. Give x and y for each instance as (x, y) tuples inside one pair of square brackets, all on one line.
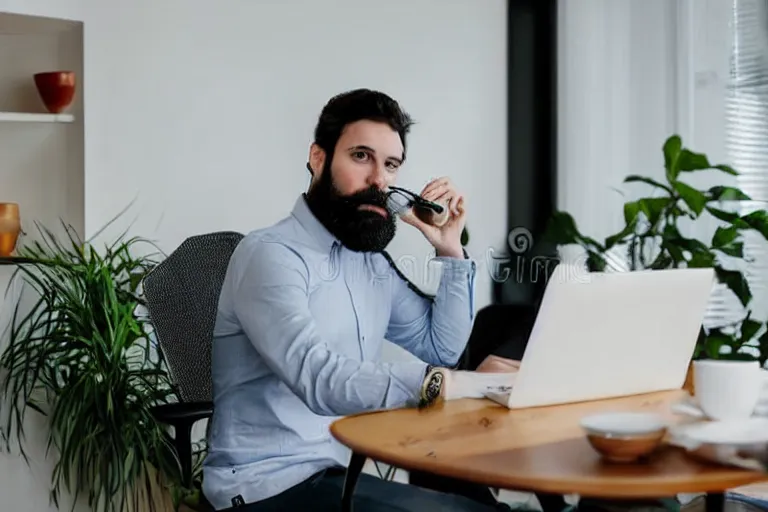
[(297, 342)]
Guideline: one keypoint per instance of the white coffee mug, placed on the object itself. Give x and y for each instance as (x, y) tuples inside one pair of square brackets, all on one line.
[(727, 390)]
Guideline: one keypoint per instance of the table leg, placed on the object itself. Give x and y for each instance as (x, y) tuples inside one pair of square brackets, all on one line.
[(551, 502), (714, 502), (354, 469)]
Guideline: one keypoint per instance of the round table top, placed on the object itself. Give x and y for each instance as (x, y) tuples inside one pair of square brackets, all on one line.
[(535, 449)]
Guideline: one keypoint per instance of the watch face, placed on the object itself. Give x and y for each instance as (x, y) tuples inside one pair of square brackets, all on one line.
[(434, 386)]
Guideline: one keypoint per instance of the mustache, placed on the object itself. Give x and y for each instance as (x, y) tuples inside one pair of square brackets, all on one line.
[(370, 196)]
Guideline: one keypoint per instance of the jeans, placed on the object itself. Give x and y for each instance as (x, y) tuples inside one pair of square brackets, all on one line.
[(322, 492)]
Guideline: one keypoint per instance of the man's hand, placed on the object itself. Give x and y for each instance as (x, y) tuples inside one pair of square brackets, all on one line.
[(445, 239), (468, 384), (496, 364)]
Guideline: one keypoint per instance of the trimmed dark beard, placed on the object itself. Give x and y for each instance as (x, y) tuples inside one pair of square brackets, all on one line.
[(358, 230)]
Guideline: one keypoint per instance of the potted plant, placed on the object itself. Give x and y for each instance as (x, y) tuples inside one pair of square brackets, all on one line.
[(653, 238), (79, 354)]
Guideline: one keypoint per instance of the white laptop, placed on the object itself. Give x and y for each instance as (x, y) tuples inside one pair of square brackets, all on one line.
[(605, 335)]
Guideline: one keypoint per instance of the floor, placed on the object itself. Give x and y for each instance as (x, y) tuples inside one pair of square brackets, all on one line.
[(528, 501)]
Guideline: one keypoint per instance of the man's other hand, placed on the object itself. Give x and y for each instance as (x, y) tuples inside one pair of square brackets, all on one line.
[(496, 364), (446, 239)]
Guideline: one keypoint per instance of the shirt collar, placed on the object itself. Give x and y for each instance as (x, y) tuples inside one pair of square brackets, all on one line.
[(312, 225)]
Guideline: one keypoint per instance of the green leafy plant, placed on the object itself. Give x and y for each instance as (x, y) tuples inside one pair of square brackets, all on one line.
[(652, 238), (80, 355)]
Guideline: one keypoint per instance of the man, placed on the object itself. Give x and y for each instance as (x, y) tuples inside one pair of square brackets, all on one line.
[(303, 312)]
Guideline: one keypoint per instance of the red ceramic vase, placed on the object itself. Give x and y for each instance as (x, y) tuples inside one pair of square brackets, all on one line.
[(56, 89)]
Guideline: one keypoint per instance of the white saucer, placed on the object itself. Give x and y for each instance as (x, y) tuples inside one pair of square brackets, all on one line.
[(690, 406), (750, 431)]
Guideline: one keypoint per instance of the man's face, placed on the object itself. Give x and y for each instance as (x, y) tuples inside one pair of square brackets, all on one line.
[(349, 195)]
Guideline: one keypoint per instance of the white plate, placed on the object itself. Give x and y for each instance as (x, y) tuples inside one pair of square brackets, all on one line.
[(750, 431), (623, 423)]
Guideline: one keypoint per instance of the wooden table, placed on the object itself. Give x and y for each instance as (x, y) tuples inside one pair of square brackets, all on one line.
[(535, 450)]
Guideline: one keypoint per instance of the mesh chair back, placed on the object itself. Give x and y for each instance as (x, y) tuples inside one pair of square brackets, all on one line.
[(182, 295)]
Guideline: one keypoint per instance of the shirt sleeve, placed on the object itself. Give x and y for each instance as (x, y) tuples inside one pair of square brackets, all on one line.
[(435, 330), (272, 305)]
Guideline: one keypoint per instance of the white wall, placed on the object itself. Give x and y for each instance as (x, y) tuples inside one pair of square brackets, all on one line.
[(210, 128), (63, 9), (203, 113), (205, 119)]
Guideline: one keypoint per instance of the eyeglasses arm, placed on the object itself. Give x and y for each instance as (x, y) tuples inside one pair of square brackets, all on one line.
[(437, 208)]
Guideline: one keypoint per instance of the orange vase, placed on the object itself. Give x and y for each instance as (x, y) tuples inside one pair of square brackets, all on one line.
[(10, 226)]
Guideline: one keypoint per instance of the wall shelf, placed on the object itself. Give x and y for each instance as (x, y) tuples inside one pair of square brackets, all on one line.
[(24, 117)]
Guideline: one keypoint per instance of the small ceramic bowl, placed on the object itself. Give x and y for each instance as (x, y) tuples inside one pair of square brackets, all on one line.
[(624, 436)]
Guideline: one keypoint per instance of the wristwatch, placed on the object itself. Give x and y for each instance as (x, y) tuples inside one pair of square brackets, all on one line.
[(432, 387)]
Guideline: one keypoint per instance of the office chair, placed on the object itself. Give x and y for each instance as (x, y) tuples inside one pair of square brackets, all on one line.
[(182, 296)]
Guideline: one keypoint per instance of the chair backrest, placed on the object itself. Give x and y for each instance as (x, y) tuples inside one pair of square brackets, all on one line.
[(182, 295), (502, 330)]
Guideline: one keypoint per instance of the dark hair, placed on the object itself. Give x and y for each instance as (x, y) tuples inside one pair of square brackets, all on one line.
[(356, 105)]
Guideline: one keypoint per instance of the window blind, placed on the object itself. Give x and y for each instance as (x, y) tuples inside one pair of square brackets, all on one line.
[(746, 132)]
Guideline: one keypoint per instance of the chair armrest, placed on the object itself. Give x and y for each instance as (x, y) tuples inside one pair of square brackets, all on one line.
[(183, 412)]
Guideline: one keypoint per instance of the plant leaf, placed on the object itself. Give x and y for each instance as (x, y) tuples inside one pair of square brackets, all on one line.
[(693, 198), (561, 229), (653, 207), (720, 193), (691, 161), (732, 218), (762, 343), (724, 236), (736, 249), (749, 328), (735, 282), (726, 169), (596, 262), (727, 241), (702, 260), (632, 178), (631, 211), (714, 342), (671, 149), (757, 220)]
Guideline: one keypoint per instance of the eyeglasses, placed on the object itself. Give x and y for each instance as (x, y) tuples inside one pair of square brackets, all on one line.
[(399, 200)]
